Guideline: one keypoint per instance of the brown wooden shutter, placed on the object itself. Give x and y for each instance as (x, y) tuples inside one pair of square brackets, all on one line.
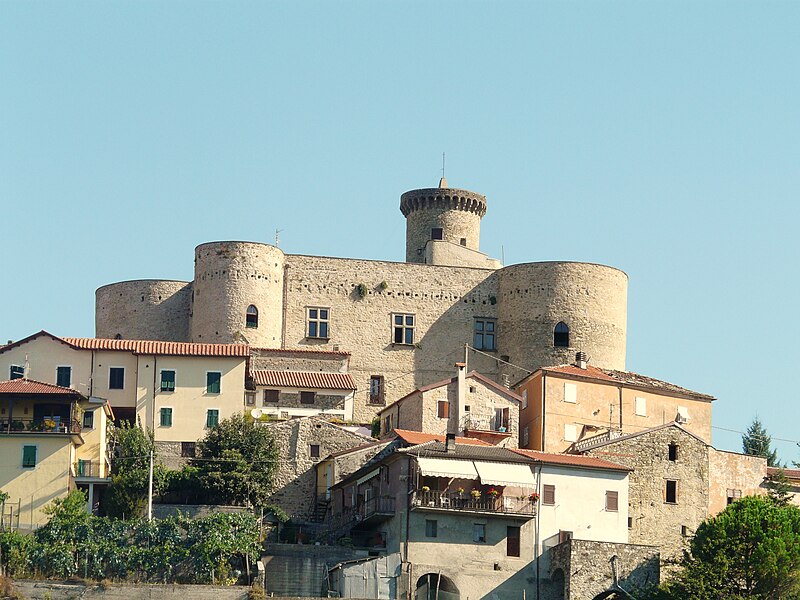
[(612, 501), (549, 494)]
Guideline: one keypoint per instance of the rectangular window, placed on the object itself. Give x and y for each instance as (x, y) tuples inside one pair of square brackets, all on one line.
[(88, 419), (167, 381), (734, 495), (484, 337), (387, 424), (570, 393), (64, 376), (271, 397), (443, 409), (512, 541), (612, 501), (431, 528), (437, 233), (166, 417), (376, 389), (501, 416), (526, 436), (213, 379), (16, 372), (524, 399), (28, 457), (314, 450), (318, 322), (570, 433), (641, 406), (630, 522), (212, 417), (672, 453), (250, 398), (549, 495), (478, 532), (403, 326), (307, 397), (188, 449), (671, 492), (116, 378)]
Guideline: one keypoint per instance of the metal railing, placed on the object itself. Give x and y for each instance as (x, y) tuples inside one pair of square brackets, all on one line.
[(87, 468), (383, 505), (15, 425), (520, 505), (588, 443), (484, 424)]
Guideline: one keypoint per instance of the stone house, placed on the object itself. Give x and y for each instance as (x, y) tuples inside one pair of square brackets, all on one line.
[(468, 404), (563, 405), (793, 477)]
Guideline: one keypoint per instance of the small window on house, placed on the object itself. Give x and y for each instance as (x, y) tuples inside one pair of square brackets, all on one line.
[(271, 396), (167, 381), (251, 318), (734, 495), (526, 436), (437, 233), (673, 452), (630, 522), (463, 241), (431, 528), (512, 540), (466, 408), (570, 432), (314, 450), (387, 424), (671, 491), (376, 389), (212, 417), (318, 322), (403, 328), (684, 530), (16, 372), (213, 380), (612, 501), (570, 393), (250, 398), (549, 494), (443, 410), (307, 397), (501, 417), (64, 376), (524, 399), (479, 532), (472, 389), (484, 337), (88, 419), (116, 378), (28, 457), (188, 449), (641, 406), (561, 335), (166, 417)]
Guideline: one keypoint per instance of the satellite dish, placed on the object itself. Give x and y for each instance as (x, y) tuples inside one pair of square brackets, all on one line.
[(256, 413)]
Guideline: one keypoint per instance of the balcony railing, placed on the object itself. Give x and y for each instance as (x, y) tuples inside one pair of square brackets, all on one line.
[(87, 468), (484, 424), (519, 505), (378, 506), (16, 425)]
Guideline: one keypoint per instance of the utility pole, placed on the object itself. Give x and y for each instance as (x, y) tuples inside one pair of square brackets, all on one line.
[(150, 491)]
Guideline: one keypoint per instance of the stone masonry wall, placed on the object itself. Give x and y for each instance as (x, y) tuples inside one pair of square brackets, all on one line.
[(271, 361), (147, 309), (654, 521), (740, 473)]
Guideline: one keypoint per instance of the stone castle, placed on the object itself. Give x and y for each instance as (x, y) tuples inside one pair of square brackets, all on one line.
[(404, 324)]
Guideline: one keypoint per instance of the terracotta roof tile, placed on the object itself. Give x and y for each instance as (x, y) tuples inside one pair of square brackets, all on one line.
[(417, 437), (303, 379), (159, 347), (572, 460), (790, 473), (31, 386), (297, 351)]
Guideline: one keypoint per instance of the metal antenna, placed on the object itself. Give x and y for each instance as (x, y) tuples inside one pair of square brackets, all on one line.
[(442, 165), (277, 239)]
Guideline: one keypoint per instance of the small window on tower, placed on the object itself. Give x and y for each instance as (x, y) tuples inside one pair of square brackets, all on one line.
[(436, 233), (463, 241), (561, 335), (251, 320)]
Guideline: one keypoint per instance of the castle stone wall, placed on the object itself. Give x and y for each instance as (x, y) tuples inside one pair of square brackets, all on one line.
[(229, 277), (145, 309)]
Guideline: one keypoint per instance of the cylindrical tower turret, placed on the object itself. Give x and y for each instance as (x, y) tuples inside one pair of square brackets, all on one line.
[(238, 293), (442, 213)]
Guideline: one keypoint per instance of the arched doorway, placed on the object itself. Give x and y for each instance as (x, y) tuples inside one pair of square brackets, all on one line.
[(433, 586), (615, 594)]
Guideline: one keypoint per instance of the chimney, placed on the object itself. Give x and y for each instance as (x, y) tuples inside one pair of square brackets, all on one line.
[(581, 360), (461, 394), (450, 442)]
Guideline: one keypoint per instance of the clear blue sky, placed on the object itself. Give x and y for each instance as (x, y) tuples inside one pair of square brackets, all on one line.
[(660, 138)]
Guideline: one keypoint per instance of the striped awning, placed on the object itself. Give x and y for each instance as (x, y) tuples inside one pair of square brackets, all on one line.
[(493, 473), (444, 467)]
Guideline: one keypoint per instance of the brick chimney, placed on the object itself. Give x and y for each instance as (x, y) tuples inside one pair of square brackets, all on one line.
[(450, 442)]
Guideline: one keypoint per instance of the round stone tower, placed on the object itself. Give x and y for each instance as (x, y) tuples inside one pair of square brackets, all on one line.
[(442, 213), (238, 294)]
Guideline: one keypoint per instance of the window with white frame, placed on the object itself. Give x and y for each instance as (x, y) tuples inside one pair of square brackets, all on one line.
[(116, 378), (570, 393), (167, 380), (403, 325), (640, 406), (318, 322), (166, 417)]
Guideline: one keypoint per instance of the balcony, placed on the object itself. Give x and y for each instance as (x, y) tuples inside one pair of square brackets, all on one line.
[(376, 509), (86, 469), (484, 503), (38, 426)]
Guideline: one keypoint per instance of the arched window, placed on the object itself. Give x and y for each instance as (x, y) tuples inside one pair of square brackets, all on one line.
[(252, 317), (561, 335)]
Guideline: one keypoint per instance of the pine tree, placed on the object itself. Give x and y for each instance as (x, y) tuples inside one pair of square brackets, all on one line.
[(757, 442)]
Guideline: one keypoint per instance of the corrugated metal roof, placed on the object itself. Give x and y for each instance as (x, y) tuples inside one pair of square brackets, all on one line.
[(305, 379), (31, 386), (417, 437), (159, 347)]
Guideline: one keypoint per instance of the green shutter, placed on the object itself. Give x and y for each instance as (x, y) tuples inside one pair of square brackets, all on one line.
[(213, 382), (166, 417), (29, 456), (212, 418)]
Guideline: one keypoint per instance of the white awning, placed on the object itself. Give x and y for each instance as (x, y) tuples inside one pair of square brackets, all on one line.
[(368, 476), (447, 467), (493, 473)]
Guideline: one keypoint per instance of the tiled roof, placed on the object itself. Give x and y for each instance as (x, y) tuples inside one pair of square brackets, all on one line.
[(417, 437), (357, 449), (305, 379), (790, 473), (571, 460), (31, 386), (158, 347), (627, 378), (298, 351), (465, 451)]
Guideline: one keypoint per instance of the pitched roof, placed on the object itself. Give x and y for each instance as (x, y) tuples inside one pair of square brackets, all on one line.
[(33, 387), (159, 347), (486, 452), (605, 442), (305, 379), (572, 460), (366, 446), (626, 378), (298, 351), (417, 437), (790, 473)]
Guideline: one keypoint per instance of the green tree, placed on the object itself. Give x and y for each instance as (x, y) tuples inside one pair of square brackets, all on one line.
[(757, 442), (237, 462), (779, 488), (750, 550)]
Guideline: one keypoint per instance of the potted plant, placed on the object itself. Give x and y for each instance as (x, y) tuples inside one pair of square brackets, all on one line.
[(426, 489), (534, 497), (460, 491), (17, 426), (48, 425), (493, 492), (476, 494)]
